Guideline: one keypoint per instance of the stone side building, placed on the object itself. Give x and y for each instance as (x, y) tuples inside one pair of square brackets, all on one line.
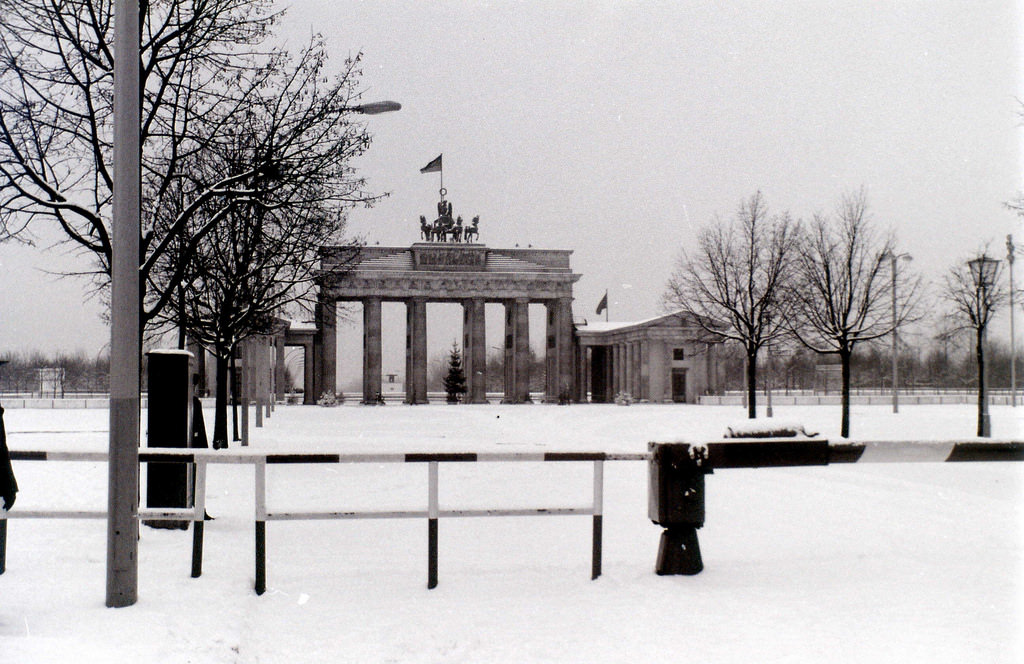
[(666, 359)]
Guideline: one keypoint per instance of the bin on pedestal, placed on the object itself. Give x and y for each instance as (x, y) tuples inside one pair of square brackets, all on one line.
[(168, 425), (676, 503)]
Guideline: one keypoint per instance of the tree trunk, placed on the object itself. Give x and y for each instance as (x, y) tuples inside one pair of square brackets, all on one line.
[(234, 395), (752, 384), (220, 417), (844, 359)]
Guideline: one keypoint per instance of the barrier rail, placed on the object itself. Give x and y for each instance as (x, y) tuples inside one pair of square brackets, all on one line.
[(731, 453), (195, 513), (433, 512), (677, 471), (260, 460)]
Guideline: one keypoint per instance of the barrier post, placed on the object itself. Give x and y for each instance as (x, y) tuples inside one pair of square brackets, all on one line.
[(433, 512), (260, 468), (3, 545), (198, 519), (595, 564), (676, 502)]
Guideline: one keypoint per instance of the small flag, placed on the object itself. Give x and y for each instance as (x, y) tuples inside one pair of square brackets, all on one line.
[(433, 167), (603, 304)]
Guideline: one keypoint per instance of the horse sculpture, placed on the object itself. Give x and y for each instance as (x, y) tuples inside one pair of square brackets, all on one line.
[(447, 229), (473, 230)]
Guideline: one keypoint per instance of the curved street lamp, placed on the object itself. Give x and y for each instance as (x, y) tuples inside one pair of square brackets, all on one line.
[(376, 107), (983, 273)]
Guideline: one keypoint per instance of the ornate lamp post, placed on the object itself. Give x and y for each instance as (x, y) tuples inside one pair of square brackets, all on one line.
[(983, 273), (894, 260)]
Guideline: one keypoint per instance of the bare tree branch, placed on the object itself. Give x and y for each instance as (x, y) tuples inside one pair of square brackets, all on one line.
[(736, 285)]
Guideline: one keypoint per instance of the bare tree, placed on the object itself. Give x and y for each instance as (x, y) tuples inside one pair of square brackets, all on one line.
[(262, 253), (204, 72), (975, 292), (735, 285), (843, 293)]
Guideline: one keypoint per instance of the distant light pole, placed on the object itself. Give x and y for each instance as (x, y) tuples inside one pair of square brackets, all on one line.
[(1011, 250), (894, 259), (983, 273)]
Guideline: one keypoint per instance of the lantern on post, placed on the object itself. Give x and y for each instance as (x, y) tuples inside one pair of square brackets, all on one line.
[(983, 274)]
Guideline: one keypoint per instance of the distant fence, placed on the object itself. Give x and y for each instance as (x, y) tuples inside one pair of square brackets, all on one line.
[(860, 398)]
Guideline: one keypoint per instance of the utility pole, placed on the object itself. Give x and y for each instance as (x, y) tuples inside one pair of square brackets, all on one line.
[(123, 459)]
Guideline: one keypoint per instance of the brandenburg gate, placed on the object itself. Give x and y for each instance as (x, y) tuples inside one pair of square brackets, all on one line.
[(469, 274)]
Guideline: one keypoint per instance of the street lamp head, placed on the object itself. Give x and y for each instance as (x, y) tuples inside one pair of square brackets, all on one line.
[(892, 256), (375, 107), (983, 270)]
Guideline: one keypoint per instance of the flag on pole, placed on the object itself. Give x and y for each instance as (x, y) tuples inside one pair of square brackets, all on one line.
[(603, 304), (433, 167)]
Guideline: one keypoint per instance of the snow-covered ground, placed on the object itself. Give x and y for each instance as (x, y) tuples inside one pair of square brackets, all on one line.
[(850, 563)]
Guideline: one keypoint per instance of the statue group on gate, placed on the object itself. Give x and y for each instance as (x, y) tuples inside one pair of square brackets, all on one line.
[(448, 229)]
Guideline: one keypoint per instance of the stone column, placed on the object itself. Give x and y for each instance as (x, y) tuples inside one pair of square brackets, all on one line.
[(582, 375), (563, 339), (617, 362), (325, 349), (551, 352), (329, 363), (523, 349), (509, 364), (517, 351), (635, 388), (308, 373), (627, 367), (474, 349), (281, 385), (416, 351), (558, 354), (371, 350), (645, 370), (658, 373)]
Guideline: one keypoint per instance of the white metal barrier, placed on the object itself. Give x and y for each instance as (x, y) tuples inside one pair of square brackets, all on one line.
[(736, 453), (260, 460)]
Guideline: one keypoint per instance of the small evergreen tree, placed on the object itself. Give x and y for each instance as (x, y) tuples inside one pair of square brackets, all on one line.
[(455, 381)]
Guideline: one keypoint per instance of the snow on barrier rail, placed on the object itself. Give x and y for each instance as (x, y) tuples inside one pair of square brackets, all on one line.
[(732, 453)]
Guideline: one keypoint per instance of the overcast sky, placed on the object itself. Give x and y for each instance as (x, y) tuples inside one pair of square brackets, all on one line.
[(617, 129)]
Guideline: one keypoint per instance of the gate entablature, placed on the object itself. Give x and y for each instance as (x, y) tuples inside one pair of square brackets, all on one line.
[(471, 274), (443, 272)]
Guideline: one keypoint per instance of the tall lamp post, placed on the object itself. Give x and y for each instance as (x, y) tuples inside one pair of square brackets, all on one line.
[(983, 273), (894, 260), (1011, 250), (123, 459)]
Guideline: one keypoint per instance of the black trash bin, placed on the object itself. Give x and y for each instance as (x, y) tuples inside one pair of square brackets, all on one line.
[(676, 503), (170, 399)]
